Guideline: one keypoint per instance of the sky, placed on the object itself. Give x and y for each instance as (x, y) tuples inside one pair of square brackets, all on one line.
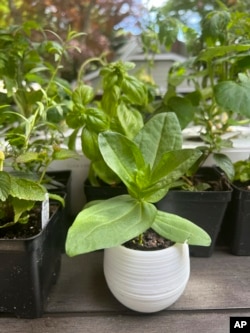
[(155, 3)]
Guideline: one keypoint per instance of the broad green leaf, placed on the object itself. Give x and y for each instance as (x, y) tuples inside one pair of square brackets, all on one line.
[(110, 100), (5, 182), (183, 108), (172, 166), (63, 154), (215, 26), (180, 230), (27, 157), (89, 140), (160, 134), (83, 94), (211, 53), (20, 206), (27, 189), (134, 90), (76, 117), (169, 31), (109, 223), (96, 120), (242, 170), (103, 171), (225, 163), (130, 121), (234, 96), (121, 155)]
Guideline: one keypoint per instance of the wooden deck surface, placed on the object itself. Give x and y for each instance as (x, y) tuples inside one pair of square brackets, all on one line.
[(80, 302)]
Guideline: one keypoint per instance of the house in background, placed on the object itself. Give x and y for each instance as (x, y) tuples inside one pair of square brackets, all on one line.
[(132, 51)]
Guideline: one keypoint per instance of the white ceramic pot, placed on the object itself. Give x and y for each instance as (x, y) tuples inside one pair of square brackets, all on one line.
[(147, 281)]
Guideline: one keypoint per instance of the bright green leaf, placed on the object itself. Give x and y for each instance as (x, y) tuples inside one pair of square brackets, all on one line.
[(160, 134), (225, 163), (63, 154), (234, 96), (27, 189), (121, 155), (109, 223), (180, 230)]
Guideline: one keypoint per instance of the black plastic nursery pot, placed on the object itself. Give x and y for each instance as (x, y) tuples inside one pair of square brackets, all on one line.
[(236, 224), (204, 208), (29, 267), (59, 182)]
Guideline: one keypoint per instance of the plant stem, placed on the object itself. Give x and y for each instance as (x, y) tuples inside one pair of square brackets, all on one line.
[(141, 239), (88, 61)]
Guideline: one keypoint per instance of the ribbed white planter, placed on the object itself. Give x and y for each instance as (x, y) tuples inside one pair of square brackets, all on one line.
[(147, 281)]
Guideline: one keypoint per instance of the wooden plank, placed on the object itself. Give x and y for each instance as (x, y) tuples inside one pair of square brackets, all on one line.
[(219, 282), (168, 321)]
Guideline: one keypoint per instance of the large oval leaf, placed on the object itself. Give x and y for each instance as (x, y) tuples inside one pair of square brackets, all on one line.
[(225, 163), (160, 134), (109, 223), (180, 230), (171, 167), (27, 189), (234, 96), (122, 156), (130, 121)]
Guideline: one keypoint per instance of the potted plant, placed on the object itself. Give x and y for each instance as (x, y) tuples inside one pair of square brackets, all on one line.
[(31, 219), (148, 165), (119, 106), (236, 227), (217, 71)]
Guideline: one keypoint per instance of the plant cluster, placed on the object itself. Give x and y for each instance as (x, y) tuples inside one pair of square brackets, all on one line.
[(148, 165), (242, 171), (120, 109), (31, 138), (217, 69)]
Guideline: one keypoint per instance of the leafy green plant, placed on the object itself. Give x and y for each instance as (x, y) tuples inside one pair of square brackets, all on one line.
[(242, 171), (218, 70), (119, 109), (148, 165), (17, 197), (31, 140)]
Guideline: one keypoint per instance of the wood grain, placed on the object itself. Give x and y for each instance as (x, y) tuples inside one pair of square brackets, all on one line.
[(219, 282), (170, 322), (80, 302)]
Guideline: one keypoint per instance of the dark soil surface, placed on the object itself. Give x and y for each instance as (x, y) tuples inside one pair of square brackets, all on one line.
[(27, 230), (149, 241), (244, 186), (32, 228)]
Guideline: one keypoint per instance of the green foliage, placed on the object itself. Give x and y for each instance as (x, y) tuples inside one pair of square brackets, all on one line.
[(33, 97), (242, 171), (148, 166), (17, 196), (217, 68), (105, 22), (234, 95), (119, 110)]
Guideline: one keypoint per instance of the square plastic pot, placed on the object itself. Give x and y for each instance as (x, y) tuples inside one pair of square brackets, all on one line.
[(204, 208), (29, 267), (236, 224)]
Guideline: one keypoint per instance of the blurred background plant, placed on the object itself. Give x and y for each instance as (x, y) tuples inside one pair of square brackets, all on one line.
[(34, 98), (107, 24), (217, 68)]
